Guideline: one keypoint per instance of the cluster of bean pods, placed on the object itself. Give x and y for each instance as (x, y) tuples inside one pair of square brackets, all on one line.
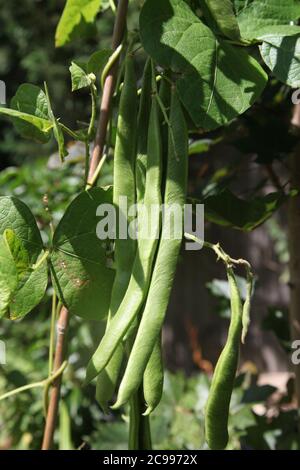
[(150, 168)]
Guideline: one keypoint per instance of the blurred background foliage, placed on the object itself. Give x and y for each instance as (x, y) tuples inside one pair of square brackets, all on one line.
[(262, 416)]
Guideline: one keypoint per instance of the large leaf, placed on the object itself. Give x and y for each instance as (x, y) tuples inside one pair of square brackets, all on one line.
[(224, 17), (216, 81), (256, 15), (23, 238), (227, 209), (80, 266), (76, 20), (29, 113), (281, 53)]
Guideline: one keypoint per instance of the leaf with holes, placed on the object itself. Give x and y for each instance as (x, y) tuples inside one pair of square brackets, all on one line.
[(80, 267), (22, 237), (216, 81)]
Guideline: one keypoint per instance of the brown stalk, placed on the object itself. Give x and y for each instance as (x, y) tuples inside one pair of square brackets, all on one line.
[(62, 325)]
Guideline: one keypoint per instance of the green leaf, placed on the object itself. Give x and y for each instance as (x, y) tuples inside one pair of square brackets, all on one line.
[(281, 53), (255, 15), (26, 248), (77, 18), (228, 210), (29, 113), (80, 266), (217, 81), (8, 277), (79, 76), (19, 253), (223, 15)]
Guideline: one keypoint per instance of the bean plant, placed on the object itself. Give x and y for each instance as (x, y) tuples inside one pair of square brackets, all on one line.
[(185, 67)]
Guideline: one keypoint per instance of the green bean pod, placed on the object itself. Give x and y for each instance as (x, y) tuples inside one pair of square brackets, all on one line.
[(167, 256), (146, 250), (143, 127), (153, 379), (125, 250), (154, 373), (217, 408)]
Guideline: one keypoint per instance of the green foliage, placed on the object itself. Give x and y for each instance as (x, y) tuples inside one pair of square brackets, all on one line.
[(281, 54), (217, 81), (77, 18), (31, 104), (22, 236), (255, 16), (80, 267), (231, 211), (223, 16)]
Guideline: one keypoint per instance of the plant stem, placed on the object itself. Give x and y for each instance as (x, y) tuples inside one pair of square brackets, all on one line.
[(69, 131), (108, 89), (94, 112), (52, 333), (94, 179), (43, 383), (119, 29), (22, 389), (62, 326)]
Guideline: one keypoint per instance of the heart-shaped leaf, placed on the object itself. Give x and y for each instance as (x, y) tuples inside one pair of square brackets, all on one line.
[(29, 113), (81, 270), (216, 81), (21, 235)]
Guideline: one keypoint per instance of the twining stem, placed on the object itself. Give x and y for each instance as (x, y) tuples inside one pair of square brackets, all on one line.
[(229, 264), (227, 260), (112, 60), (94, 111), (94, 179), (52, 333), (42, 383), (62, 326), (68, 131), (108, 90)]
